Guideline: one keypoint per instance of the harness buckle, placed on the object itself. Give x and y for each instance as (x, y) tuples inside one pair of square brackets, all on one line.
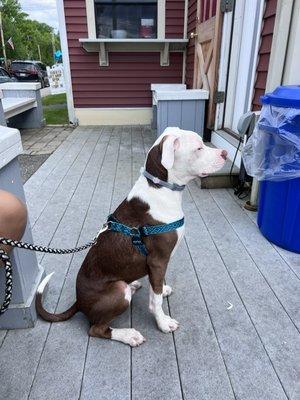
[(136, 231)]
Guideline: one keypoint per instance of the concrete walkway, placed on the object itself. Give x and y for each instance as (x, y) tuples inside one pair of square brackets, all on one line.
[(236, 296)]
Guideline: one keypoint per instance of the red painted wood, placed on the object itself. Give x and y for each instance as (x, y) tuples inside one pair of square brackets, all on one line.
[(126, 81), (174, 18), (264, 53)]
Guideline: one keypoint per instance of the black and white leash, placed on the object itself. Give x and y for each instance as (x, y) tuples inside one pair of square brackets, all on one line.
[(28, 246)]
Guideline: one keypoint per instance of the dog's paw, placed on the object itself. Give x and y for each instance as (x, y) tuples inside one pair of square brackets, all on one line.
[(167, 324), (167, 290), (128, 336)]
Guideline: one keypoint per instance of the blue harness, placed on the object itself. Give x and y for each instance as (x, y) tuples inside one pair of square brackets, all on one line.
[(137, 233)]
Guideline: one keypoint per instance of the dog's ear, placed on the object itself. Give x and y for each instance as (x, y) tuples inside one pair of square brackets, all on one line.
[(170, 143)]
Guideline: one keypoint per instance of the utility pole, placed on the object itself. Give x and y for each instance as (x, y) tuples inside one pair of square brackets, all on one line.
[(39, 50), (2, 41)]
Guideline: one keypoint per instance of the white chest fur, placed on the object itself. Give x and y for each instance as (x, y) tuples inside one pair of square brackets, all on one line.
[(165, 204)]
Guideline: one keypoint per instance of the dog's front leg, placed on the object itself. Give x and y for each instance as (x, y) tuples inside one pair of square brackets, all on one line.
[(156, 276)]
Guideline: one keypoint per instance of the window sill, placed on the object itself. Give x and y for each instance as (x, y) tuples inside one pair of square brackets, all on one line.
[(104, 46)]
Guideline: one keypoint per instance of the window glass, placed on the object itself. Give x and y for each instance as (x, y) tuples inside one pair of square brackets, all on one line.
[(126, 19)]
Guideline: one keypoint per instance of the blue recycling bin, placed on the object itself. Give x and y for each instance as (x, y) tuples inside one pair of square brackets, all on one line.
[(279, 198)]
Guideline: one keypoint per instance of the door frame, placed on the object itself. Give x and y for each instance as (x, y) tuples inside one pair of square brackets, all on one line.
[(225, 59)]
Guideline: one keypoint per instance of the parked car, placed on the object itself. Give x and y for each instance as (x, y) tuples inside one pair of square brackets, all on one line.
[(6, 76), (30, 71)]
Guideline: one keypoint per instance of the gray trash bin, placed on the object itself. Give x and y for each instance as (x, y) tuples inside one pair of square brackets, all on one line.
[(156, 87), (182, 108)]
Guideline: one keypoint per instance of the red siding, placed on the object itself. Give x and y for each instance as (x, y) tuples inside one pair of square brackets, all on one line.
[(208, 10), (126, 81), (264, 53), (174, 18)]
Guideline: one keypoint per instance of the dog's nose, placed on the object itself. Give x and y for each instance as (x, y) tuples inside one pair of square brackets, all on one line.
[(224, 154)]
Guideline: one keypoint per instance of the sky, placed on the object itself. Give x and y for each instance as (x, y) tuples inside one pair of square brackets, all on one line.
[(42, 11)]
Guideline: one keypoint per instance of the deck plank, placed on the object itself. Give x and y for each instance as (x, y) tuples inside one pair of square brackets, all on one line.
[(38, 198), (201, 365), (239, 342), (279, 336), (48, 166), (154, 365), (249, 352), (107, 368), (2, 336), (280, 277), (292, 259), (22, 348), (54, 209), (72, 333)]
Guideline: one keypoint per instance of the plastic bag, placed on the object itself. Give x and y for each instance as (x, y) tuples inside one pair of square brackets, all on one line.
[(273, 150)]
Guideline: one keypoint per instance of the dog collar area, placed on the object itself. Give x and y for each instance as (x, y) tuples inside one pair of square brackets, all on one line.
[(157, 181)]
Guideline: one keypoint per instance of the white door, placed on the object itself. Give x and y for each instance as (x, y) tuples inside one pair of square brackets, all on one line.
[(246, 23)]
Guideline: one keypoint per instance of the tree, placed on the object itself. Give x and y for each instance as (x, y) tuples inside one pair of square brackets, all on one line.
[(26, 34)]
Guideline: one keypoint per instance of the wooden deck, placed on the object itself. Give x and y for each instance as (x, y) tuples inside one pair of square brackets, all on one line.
[(236, 296)]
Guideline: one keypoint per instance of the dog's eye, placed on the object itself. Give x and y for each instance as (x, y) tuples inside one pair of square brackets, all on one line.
[(200, 148)]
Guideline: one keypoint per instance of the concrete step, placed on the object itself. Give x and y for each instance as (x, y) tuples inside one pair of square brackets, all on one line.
[(221, 178)]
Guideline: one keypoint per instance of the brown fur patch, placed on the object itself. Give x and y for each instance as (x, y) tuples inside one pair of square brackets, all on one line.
[(154, 165)]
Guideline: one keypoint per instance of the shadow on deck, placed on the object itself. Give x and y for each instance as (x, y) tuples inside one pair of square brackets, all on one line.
[(235, 295)]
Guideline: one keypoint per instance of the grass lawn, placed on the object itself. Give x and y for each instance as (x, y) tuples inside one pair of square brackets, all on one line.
[(54, 99), (55, 115)]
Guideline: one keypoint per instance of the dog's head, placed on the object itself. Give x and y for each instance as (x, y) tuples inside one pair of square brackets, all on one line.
[(181, 156)]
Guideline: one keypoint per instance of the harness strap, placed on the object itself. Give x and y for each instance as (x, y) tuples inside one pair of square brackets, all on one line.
[(137, 233)]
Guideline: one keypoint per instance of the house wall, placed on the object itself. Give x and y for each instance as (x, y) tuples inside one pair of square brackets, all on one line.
[(174, 18), (125, 83), (264, 52)]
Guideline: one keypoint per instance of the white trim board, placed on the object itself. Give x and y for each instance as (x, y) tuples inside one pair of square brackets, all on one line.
[(114, 116), (66, 59), (219, 141), (238, 61), (10, 145)]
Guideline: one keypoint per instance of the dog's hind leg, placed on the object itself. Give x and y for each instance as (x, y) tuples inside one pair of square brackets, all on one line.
[(113, 301)]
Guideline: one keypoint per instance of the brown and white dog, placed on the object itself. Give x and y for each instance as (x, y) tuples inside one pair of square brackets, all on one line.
[(108, 276)]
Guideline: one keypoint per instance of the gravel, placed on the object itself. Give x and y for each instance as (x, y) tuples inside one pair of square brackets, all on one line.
[(30, 163)]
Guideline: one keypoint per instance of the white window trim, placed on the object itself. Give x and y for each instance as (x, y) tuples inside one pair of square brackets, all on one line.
[(161, 19)]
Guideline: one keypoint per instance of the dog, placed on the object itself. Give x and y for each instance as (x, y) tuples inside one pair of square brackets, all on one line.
[(109, 275)]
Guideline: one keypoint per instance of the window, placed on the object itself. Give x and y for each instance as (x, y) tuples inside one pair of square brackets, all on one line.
[(121, 19)]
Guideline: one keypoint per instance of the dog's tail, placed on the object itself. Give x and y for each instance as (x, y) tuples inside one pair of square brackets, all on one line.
[(51, 317)]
